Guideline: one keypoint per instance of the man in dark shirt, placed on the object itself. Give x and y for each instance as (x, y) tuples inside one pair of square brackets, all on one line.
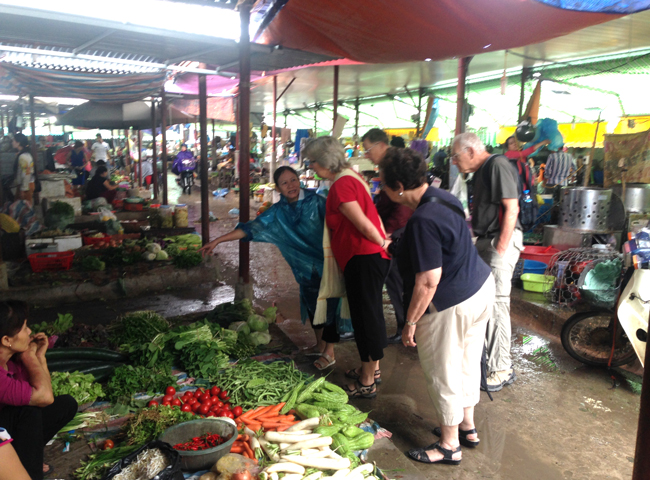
[(495, 210), (394, 217)]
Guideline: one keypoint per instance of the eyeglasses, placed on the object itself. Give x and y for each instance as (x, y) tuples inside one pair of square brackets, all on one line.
[(371, 147), (456, 155)]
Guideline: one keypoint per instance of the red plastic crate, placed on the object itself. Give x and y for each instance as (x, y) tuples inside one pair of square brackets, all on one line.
[(133, 207), (96, 240), (52, 261)]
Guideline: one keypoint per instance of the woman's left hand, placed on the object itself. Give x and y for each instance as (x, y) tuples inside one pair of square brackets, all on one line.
[(408, 335), (40, 339)]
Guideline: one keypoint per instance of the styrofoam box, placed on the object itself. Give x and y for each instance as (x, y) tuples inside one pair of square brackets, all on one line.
[(75, 202), (57, 244), (52, 188)]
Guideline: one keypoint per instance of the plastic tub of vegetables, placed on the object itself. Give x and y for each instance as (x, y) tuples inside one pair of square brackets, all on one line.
[(199, 434)]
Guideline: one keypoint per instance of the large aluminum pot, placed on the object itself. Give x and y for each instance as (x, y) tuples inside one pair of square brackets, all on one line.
[(637, 197), (585, 209)]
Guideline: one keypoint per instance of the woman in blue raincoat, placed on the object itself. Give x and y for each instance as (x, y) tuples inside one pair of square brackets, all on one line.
[(295, 226)]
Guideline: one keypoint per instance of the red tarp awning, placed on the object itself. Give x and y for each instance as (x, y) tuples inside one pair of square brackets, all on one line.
[(390, 31)]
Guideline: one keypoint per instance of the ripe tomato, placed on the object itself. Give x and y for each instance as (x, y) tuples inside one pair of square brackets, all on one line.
[(214, 391), (205, 398), (229, 414), (237, 411), (204, 409), (210, 414), (192, 400), (218, 403), (176, 402), (195, 407), (108, 444), (166, 404), (198, 392), (186, 408), (170, 391), (167, 398), (153, 403), (223, 394), (214, 408)]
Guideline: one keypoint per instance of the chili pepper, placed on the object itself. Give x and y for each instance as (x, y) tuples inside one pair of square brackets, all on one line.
[(208, 440)]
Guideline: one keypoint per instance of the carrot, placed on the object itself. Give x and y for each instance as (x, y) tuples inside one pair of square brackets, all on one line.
[(242, 437), (260, 412), (238, 449), (249, 450), (291, 420), (250, 422), (250, 412), (283, 427), (276, 409), (268, 425)]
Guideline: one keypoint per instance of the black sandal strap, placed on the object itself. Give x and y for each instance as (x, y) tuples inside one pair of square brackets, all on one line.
[(464, 433), (448, 454)]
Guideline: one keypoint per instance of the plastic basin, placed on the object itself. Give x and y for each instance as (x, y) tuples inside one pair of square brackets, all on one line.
[(539, 254), (201, 459), (533, 266), (534, 282)]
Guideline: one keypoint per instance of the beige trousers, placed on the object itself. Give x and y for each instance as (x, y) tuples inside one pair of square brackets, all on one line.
[(450, 345)]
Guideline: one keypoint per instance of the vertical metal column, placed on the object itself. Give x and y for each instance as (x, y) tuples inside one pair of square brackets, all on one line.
[(154, 127), (417, 124), (274, 147), (244, 137), (356, 126), (336, 94), (139, 158), (463, 66), (525, 75), (163, 146), (32, 123), (127, 148), (203, 119)]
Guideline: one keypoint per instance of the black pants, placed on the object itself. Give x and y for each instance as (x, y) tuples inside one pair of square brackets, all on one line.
[(364, 279), (32, 427), (395, 289), (330, 331)]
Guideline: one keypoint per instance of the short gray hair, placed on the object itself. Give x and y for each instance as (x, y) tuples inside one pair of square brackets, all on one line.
[(469, 140), (327, 152)]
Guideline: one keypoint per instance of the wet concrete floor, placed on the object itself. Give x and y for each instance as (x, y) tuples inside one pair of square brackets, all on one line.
[(559, 420)]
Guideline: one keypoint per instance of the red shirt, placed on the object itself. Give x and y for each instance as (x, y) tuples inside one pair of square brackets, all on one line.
[(518, 154), (346, 240), (15, 389)]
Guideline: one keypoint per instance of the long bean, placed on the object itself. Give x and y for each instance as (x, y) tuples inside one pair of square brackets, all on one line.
[(279, 378)]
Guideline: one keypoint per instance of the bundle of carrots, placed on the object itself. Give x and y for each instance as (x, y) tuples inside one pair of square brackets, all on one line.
[(268, 418), (243, 447)]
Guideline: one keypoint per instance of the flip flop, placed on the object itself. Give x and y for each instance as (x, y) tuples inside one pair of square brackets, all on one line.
[(361, 391), (319, 365), (462, 437), (354, 375)]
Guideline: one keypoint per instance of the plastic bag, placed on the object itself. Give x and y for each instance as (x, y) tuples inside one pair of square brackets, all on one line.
[(232, 463), (171, 472), (105, 214), (546, 129)]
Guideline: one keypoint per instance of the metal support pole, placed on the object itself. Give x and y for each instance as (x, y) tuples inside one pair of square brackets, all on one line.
[(139, 158), (641, 458), (163, 146), (244, 143), (274, 147), (463, 66), (127, 148), (154, 127), (587, 176), (336, 94), (525, 75), (417, 124), (32, 123), (203, 119)]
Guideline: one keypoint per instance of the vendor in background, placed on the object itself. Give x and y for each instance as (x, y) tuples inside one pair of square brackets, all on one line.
[(100, 186), (77, 159), (24, 179), (295, 226), (560, 166), (512, 151), (28, 409), (147, 171), (101, 150), (358, 240)]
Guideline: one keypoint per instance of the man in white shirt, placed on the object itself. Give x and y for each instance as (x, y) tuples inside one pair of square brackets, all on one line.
[(101, 149)]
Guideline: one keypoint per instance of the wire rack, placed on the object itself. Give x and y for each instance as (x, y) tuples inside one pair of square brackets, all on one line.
[(570, 268)]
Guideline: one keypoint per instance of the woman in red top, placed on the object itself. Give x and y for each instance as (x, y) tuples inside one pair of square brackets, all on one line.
[(359, 245), (512, 149), (28, 409)]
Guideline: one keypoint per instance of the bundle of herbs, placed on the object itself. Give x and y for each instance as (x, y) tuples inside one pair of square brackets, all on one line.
[(137, 328), (81, 386), (149, 423), (128, 380), (61, 325)]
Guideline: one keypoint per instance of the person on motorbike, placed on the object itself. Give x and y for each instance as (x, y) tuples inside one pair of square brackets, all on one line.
[(184, 167)]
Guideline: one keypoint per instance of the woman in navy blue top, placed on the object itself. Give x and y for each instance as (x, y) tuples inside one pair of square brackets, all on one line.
[(78, 162)]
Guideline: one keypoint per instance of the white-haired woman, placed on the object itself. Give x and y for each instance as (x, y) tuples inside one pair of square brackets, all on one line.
[(359, 246)]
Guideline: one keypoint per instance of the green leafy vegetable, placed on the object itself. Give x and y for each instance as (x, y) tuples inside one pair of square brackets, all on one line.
[(62, 324), (128, 380), (81, 386), (137, 328), (99, 463), (93, 264), (150, 423), (188, 259)]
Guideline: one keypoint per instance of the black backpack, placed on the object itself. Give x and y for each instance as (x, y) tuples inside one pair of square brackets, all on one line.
[(527, 209)]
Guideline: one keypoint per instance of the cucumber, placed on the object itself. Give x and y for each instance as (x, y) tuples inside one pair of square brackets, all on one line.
[(85, 354), (72, 365), (101, 372)]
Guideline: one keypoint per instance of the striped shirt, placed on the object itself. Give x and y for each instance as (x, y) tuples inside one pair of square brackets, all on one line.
[(559, 167)]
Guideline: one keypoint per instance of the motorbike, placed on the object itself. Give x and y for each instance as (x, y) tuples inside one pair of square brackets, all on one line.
[(185, 170), (613, 337)]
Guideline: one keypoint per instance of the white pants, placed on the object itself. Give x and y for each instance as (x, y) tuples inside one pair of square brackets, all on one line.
[(450, 345)]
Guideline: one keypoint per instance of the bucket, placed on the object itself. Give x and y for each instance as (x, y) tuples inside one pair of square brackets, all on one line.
[(533, 266)]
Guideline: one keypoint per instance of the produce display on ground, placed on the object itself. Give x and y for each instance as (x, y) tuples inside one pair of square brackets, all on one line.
[(290, 425)]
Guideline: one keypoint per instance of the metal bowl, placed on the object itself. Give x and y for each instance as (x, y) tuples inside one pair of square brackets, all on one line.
[(193, 461)]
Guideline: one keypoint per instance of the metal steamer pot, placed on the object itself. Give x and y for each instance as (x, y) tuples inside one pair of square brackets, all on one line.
[(585, 209), (637, 197)]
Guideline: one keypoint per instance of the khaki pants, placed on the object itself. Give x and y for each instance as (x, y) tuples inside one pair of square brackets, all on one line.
[(450, 345), (499, 329)]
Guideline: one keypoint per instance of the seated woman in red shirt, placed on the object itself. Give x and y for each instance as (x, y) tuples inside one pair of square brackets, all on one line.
[(358, 242), (28, 409)]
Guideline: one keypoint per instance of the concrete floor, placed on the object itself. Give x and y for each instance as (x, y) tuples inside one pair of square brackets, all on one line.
[(560, 420)]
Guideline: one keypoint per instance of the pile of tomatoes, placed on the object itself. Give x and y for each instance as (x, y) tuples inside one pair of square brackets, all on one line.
[(211, 402)]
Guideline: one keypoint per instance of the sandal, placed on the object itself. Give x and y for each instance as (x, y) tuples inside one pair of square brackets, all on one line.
[(361, 391), (420, 454), (354, 375), (320, 365), (462, 436)]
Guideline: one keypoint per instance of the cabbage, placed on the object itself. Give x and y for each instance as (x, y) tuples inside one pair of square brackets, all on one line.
[(153, 248), (270, 314), (240, 327), (260, 338), (162, 255), (149, 256), (257, 323)]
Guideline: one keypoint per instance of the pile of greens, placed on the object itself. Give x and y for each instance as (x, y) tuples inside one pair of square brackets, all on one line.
[(150, 423), (187, 259), (137, 328), (99, 463), (81, 386), (61, 325), (128, 379)]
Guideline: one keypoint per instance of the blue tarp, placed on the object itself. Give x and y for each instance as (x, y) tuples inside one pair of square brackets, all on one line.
[(599, 6)]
